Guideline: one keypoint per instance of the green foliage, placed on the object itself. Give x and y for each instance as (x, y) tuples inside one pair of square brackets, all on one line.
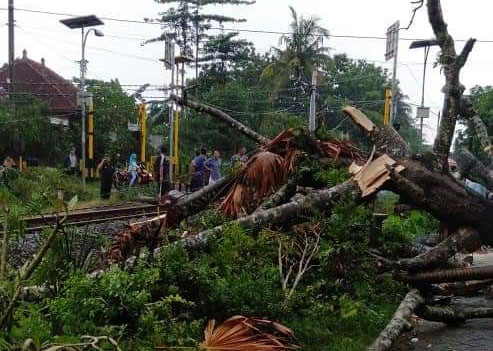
[(482, 99), (397, 230), (340, 303)]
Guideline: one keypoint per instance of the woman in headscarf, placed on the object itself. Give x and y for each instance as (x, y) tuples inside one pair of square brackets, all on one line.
[(132, 168)]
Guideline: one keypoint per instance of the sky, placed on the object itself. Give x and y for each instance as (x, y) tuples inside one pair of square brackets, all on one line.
[(120, 53)]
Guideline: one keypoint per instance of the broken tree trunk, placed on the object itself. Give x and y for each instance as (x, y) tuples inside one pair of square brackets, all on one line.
[(447, 275), (398, 323), (222, 117), (386, 139), (472, 168), (421, 186), (453, 315), (289, 212), (465, 239)]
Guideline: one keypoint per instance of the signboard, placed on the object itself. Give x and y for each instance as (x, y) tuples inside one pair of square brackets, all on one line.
[(392, 40), (169, 54), (59, 121), (133, 127), (423, 112)]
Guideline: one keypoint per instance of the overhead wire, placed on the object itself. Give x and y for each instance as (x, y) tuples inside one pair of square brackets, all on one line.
[(247, 30)]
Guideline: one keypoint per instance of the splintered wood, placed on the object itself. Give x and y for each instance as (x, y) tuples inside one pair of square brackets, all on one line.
[(374, 174), (360, 119)]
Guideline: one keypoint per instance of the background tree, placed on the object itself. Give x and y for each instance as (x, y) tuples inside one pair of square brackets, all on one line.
[(188, 24), (304, 52)]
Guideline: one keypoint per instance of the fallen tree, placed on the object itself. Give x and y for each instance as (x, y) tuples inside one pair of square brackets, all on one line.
[(398, 323)]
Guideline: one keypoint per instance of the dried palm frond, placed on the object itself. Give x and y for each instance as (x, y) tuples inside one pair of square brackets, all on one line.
[(240, 333), (145, 233), (263, 174), (268, 170)]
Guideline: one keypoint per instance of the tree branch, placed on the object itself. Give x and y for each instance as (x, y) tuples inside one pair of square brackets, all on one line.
[(222, 117), (420, 4)]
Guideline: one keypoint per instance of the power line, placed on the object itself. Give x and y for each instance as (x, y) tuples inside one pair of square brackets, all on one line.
[(246, 30)]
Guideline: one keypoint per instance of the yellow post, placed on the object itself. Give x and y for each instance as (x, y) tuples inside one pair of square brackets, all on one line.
[(90, 136), (176, 141), (387, 106), (21, 165), (143, 131)]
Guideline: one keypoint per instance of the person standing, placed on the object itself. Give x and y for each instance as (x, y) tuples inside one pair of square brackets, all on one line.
[(198, 166), (9, 163), (161, 172), (70, 162), (214, 166), (132, 169), (240, 156), (106, 170)]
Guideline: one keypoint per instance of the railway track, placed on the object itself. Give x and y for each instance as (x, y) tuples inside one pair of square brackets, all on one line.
[(98, 215)]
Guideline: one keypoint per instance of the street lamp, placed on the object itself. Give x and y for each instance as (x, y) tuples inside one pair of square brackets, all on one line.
[(423, 112), (82, 23)]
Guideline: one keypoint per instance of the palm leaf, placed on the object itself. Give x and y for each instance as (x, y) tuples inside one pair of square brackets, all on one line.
[(240, 333)]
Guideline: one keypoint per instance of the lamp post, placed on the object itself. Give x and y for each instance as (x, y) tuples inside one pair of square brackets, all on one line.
[(426, 44), (82, 23)]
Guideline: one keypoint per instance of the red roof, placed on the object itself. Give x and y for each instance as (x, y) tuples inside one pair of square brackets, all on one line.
[(36, 79)]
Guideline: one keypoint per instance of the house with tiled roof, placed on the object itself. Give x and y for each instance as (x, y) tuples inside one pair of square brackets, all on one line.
[(36, 79)]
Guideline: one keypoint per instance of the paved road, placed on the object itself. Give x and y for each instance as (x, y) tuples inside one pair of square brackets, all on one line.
[(474, 335)]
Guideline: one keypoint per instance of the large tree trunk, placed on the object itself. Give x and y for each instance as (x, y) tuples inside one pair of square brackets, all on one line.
[(453, 90), (222, 117)]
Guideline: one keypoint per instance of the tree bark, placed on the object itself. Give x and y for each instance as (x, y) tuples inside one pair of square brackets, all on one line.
[(453, 90), (222, 117), (282, 195), (447, 275), (452, 315), (464, 239), (472, 168), (291, 211), (398, 322), (387, 140)]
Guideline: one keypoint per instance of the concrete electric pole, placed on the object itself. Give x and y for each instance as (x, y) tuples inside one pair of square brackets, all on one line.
[(312, 122)]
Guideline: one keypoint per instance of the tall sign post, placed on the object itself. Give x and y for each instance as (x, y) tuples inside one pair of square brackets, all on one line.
[(391, 52)]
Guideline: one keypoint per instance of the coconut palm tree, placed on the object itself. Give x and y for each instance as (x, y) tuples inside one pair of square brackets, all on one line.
[(303, 53)]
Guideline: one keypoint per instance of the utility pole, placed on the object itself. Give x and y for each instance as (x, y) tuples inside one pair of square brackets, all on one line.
[(423, 112), (312, 122), (391, 52), (11, 49), (169, 63), (82, 23)]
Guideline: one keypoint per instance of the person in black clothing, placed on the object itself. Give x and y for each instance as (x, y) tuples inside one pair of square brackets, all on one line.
[(161, 172), (106, 170)]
